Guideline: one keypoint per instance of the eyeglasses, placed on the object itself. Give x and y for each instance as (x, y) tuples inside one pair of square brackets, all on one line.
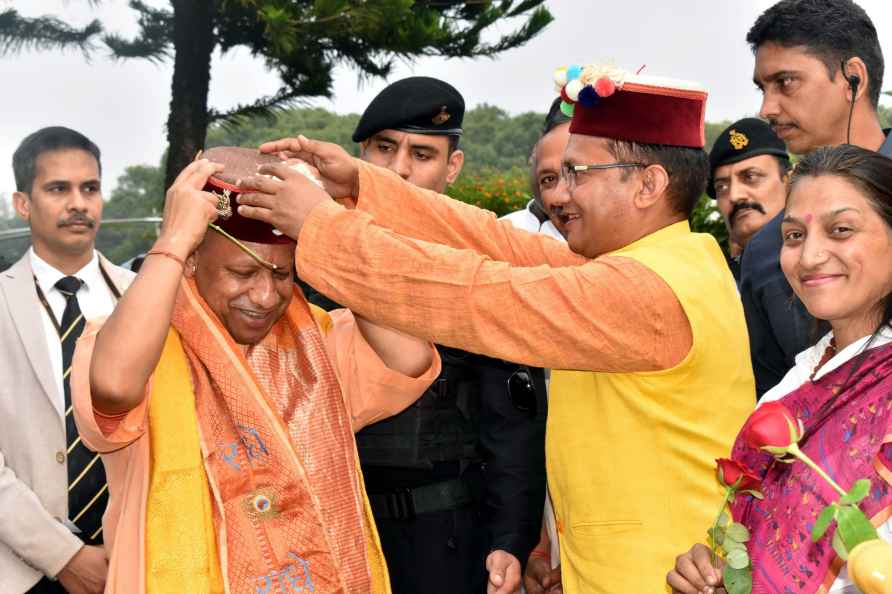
[(569, 172), (522, 391)]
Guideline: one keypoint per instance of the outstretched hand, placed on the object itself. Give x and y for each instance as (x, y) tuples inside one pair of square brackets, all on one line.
[(337, 169), (283, 201)]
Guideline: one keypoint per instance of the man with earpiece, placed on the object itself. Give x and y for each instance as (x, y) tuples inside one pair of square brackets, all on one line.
[(819, 66)]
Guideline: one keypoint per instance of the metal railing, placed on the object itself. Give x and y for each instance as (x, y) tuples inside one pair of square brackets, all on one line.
[(26, 232)]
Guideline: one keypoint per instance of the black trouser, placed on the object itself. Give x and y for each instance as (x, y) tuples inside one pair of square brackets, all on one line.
[(47, 586), (442, 552)]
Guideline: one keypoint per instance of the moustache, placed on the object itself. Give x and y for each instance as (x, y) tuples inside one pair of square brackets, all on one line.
[(78, 219), (773, 123), (740, 206)]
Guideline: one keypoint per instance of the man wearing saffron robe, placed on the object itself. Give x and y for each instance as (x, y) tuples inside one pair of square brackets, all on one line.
[(638, 316), (224, 407)]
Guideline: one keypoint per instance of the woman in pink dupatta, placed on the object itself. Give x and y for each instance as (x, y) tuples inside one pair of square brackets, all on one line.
[(837, 256)]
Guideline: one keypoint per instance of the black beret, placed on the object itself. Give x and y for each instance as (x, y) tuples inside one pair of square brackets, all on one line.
[(746, 138), (419, 104)]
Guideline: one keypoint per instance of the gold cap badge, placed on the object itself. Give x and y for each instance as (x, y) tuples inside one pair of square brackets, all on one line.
[(442, 117), (738, 139), (224, 209)]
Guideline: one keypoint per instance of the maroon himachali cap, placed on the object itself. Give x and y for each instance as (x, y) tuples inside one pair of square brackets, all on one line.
[(610, 102), (240, 163)]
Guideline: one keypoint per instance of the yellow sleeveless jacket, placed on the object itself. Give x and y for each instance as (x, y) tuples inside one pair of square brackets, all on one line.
[(630, 456)]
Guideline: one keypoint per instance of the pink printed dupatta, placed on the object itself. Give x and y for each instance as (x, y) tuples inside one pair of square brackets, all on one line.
[(847, 415)]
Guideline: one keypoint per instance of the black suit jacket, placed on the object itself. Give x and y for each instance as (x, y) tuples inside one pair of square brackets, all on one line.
[(779, 325)]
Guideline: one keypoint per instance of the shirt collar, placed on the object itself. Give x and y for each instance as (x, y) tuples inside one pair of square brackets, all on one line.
[(48, 276), (812, 357)]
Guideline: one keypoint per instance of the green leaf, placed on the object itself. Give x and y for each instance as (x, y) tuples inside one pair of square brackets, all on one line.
[(738, 581), (853, 526), (724, 519), (737, 532), (859, 491), (716, 535), (823, 522), (839, 547), (738, 559), (731, 545)]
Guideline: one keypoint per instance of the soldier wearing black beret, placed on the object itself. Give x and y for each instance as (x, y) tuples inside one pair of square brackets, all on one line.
[(413, 128), (747, 167), (457, 481)]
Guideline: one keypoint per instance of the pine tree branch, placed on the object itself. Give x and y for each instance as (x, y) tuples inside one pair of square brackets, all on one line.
[(264, 107), (154, 40), (18, 33)]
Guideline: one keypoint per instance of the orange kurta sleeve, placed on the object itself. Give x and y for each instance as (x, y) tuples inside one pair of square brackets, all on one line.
[(606, 314), (371, 390), (101, 433), (422, 214)]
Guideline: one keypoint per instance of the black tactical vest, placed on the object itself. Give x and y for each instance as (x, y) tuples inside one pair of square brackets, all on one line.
[(441, 426)]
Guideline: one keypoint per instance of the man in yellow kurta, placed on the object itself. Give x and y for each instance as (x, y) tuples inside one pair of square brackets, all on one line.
[(224, 408), (641, 313)]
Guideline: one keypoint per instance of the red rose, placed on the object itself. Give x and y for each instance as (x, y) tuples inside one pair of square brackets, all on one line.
[(731, 471), (772, 427)]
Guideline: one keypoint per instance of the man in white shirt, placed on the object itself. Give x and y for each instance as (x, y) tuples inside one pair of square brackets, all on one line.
[(52, 489), (545, 168)]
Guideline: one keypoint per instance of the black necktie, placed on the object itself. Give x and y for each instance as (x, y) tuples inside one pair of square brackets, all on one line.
[(87, 491)]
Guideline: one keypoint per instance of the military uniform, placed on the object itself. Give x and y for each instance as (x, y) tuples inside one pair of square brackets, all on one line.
[(458, 474)]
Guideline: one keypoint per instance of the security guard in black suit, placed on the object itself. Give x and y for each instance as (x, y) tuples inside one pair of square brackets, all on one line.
[(460, 475)]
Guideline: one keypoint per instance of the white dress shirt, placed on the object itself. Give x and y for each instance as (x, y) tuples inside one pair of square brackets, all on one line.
[(806, 361), (526, 220), (94, 298)]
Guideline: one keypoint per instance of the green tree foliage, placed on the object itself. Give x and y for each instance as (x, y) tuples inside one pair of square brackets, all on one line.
[(301, 40), (713, 129), (315, 123), (138, 194), (497, 148), (885, 114), (495, 141)]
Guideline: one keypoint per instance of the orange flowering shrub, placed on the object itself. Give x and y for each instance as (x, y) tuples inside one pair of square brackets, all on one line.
[(499, 192)]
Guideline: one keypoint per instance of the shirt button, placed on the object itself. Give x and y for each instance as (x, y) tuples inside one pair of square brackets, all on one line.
[(60, 457)]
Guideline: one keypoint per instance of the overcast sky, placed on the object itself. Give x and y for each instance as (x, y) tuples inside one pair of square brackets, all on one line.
[(123, 105)]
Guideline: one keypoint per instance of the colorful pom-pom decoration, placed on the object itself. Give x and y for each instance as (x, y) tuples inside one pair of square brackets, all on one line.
[(573, 72), (588, 97), (564, 96), (567, 109), (605, 87), (573, 88), (560, 77)]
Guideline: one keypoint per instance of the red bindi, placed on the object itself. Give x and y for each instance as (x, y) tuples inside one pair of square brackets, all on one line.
[(808, 218)]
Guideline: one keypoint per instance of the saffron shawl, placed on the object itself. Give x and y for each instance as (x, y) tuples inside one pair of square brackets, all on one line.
[(288, 505), (847, 415)]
